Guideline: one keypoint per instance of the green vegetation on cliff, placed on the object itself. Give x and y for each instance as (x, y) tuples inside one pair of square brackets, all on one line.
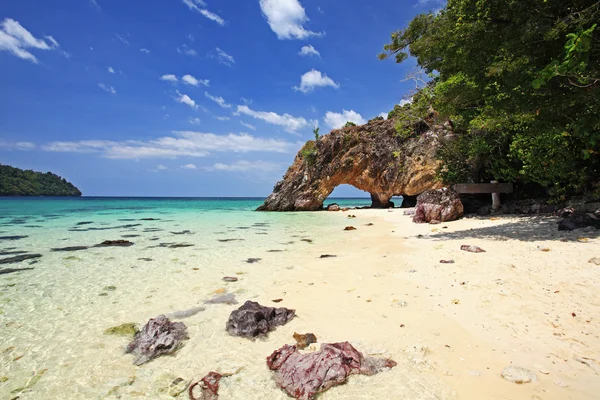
[(17, 182), (520, 81)]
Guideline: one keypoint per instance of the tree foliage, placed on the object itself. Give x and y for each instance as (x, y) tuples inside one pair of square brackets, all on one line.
[(17, 182), (520, 81)]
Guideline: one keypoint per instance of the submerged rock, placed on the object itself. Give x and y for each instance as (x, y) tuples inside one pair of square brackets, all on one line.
[(127, 329), (186, 313), (252, 320), (228, 298), (115, 243), (438, 205), (159, 336), (209, 386), (19, 258), (303, 376), (253, 260), (11, 270), (70, 248), (16, 237)]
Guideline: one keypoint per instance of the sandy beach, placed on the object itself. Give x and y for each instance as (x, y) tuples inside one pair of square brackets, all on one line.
[(530, 300)]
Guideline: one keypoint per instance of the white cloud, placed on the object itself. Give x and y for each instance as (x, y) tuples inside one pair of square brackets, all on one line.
[(111, 70), (289, 122), (200, 6), (195, 121), (107, 89), (309, 51), (244, 166), (384, 115), (15, 39), (185, 99), (314, 79), (190, 80), (95, 4), (404, 102), (145, 51), (286, 18), (219, 100), (223, 118), (180, 144), (337, 120), (249, 126), (189, 166), (16, 145), (187, 51), (224, 58), (161, 167), (168, 78)]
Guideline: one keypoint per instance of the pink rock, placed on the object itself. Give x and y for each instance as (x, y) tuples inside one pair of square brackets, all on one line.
[(439, 205)]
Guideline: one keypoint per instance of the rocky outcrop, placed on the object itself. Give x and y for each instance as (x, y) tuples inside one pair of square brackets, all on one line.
[(371, 157), (439, 205)]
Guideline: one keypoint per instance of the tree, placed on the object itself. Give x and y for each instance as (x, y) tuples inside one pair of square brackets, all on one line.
[(520, 80)]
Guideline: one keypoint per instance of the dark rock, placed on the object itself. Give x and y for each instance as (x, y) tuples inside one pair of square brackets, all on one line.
[(252, 320), (229, 240), (148, 230), (253, 260), (304, 340), (275, 251), (129, 236), (186, 232), (230, 279), (11, 270), (408, 201), (149, 219), (577, 221), (369, 224), (472, 249), (84, 223), (19, 258), (303, 376), (180, 245), (145, 259), (159, 336), (115, 243), (70, 248), (446, 261), (16, 237), (442, 205), (12, 253), (328, 256), (306, 240), (277, 300), (349, 228), (333, 207)]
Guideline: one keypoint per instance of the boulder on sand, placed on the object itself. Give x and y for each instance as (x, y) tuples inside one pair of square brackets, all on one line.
[(252, 319), (159, 336), (303, 376), (438, 205)]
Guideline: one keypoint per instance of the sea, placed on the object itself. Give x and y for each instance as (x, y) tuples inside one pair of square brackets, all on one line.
[(55, 310)]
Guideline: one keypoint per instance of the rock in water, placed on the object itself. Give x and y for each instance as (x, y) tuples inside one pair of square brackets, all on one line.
[(115, 243), (438, 205), (371, 158), (18, 259), (303, 376), (252, 319), (518, 375), (228, 298), (159, 336)]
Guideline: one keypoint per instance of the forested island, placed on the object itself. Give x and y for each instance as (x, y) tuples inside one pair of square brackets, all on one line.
[(18, 182)]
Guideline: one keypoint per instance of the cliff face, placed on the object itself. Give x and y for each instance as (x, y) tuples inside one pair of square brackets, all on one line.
[(371, 157)]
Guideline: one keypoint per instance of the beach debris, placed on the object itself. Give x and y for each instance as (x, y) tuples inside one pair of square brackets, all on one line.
[(574, 221), (333, 207), (446, 261), (230, 279), (303, 376), (253, 260), (304, 340), (277, 300), (185, 313), (126, 329), (228, 298), (440, 205), (518, 375), (399, 303), (19, 258), (252, 319), (589, 362), (15, 237), (185, 232), (115, 243), (472, 249), (328, 256), (159, 336), (573, 315), (595, 260), (349, 228), (70, 248)]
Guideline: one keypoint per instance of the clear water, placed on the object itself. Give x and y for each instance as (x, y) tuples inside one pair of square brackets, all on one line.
[(53, 317)]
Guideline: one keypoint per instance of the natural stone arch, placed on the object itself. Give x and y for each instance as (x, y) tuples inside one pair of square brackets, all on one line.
[(371, 157)]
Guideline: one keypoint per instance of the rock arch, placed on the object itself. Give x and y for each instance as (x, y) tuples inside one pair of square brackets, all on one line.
[(371, 157)]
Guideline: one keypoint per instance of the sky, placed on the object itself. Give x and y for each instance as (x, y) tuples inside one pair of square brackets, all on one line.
[(189, 97)]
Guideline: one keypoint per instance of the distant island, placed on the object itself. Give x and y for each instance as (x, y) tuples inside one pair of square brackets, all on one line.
[(17, 182)]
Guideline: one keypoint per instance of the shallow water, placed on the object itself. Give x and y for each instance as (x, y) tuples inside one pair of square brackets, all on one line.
[(52, 317)]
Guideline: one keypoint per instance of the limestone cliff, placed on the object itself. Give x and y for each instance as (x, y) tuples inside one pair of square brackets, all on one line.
[(372, 157)]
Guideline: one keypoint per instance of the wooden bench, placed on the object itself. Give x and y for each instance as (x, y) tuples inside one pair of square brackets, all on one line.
[(493, 187)]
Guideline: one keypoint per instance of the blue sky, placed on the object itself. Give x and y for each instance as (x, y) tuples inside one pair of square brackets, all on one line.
[(189, 97)]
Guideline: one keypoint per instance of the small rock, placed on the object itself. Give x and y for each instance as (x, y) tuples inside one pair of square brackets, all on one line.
[(252, 320), (518, 375), (446, 261), (595, 260), (333, 207), (277, 300), (351, 216), (349, 228), (159, 336), (230, 279), (328, 256), (304, 340), (115, 243), (400, 303), (253, 260), (472, 249), (455, 301), (369, 224)]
